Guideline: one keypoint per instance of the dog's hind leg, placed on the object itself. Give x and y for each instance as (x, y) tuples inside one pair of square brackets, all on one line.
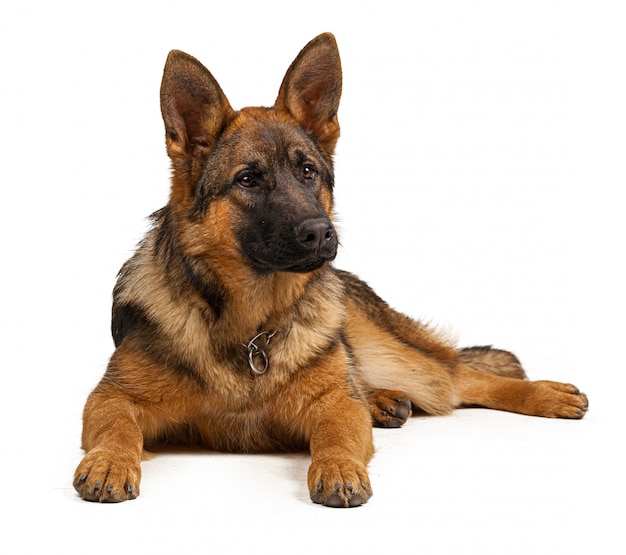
[(392, 370), (536, 398), (395, 354)]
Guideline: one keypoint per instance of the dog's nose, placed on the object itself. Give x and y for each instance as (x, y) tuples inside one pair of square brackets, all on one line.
[(315, 233)]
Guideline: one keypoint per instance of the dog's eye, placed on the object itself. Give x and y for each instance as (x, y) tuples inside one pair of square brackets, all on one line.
[(246, 181), (308, 171)]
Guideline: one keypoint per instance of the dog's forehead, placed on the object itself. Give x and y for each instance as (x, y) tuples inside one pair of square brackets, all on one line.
[(265, 131)]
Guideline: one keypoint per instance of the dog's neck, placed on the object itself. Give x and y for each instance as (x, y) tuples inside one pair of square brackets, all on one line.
[(261, 305)]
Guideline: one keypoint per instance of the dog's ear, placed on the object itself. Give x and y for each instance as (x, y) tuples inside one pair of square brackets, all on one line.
[(311, 90), (194, 108)]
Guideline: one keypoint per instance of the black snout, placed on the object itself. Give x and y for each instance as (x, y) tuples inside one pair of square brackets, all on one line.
[(315, 233)]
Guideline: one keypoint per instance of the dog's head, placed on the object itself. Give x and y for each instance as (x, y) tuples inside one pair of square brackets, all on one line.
[(255, 184)]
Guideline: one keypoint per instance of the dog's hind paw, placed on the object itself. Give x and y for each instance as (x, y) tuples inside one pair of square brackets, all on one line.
[(558, 400), (107, 476), (389, 409)]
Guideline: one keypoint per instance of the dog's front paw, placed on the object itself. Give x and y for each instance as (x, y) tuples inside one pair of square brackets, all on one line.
[(108, 476), (339, 483)]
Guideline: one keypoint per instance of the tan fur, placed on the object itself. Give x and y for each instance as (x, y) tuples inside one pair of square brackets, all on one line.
[(202, 286), (385, 363)]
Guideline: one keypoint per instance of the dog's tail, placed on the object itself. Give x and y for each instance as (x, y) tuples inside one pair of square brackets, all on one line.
[(492, 361)]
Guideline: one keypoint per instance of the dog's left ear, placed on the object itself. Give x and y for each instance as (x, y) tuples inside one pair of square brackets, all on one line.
[(311, 90)]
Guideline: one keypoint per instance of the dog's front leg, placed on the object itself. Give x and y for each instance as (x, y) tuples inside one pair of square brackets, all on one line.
[(114, 421), (341, 446), (110, 471)]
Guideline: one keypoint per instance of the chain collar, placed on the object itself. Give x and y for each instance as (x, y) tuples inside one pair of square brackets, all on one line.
[(257, 355)]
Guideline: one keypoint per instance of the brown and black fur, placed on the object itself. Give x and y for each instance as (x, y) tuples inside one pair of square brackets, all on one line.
[(245, 246)]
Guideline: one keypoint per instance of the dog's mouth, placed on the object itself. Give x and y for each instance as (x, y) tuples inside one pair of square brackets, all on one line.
[(301, 266)]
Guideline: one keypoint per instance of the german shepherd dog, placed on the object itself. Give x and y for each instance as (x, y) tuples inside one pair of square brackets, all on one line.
[(234, 332)]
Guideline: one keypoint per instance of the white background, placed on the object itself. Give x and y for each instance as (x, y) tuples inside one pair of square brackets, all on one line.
[(479, 184)]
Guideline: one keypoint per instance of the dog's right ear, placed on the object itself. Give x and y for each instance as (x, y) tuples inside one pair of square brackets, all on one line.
[(194, 108)]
